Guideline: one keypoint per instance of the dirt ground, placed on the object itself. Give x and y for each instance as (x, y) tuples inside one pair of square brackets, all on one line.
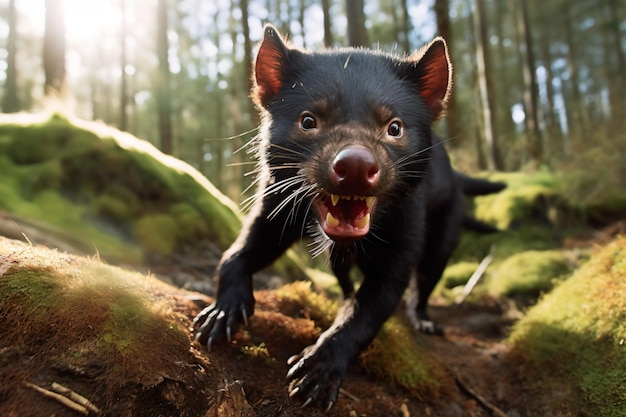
[(235, 381), (470, 350)]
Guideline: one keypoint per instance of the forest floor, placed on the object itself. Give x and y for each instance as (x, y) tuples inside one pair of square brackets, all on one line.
[(247, 377)]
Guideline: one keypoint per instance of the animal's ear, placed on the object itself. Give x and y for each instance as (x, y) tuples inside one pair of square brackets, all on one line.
[(432, 70), (271, 65)]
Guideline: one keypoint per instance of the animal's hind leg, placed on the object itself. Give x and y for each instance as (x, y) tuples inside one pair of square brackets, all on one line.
[(427, 277)]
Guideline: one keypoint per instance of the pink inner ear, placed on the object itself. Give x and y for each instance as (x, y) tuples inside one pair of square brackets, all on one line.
[(269, 67), (435, 78)]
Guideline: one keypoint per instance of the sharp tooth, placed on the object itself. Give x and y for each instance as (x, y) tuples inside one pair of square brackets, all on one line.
[(331, 221), (362, 222), (334, 198), (369, 201)]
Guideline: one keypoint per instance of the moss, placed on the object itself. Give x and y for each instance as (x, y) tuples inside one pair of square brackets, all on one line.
[(319, 308), (474, 246), (396, 356), (109, 179), (458, 274), (528, 198), (528, 274), (75, 306), (190, 222), (576, 335), (157, 232)]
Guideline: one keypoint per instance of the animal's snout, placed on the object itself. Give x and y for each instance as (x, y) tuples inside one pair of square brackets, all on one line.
[(355, 170)]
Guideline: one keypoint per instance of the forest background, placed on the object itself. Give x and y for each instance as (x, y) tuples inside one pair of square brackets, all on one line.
[(538, 85)]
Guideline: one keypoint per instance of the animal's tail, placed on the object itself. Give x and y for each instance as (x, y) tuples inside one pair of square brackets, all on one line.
[(473, 187), (471, 223), (477, 186)]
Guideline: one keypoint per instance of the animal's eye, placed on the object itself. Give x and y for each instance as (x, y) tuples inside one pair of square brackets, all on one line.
[(307, 122), (395, 128)]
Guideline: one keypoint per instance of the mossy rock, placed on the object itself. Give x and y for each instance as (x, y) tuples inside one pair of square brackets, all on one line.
[(528, 274), (574, 339), (527, 199), (111, 334), (110, 181)]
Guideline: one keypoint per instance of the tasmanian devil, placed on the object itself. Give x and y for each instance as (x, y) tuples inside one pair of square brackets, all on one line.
[(346, 156)]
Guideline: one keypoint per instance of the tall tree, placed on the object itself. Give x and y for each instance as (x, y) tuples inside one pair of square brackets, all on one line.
[(485, 82), (164, 103), (123, 123), (357, 34), (531, 92), (10, 100), (617, 80), (328, 33), (576, 116), (54, 46), (444, 27)]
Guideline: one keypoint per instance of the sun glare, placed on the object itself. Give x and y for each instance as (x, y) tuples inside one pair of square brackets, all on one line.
[(91, 19)]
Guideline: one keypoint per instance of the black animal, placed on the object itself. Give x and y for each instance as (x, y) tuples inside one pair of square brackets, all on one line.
[(347, 156)]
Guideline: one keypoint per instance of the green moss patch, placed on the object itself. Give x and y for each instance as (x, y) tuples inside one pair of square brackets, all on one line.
[(114, 192), (574, 339), (527, 198), (396, 354), (528, 274), (89, 320)]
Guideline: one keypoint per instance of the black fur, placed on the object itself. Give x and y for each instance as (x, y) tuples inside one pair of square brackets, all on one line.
[(344, 123)]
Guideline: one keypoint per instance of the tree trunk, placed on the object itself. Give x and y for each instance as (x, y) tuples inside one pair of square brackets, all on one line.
[(10, 100), (301, 10), (123, 123), (444, 28), (406, 26), (485, 84), (533, 134), (617, 82), (328, 33), (357, 35), (163, 84), (54, 50), (576, 117)]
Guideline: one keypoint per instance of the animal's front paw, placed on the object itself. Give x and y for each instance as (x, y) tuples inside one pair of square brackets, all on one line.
[(316, 374), (222, 319)]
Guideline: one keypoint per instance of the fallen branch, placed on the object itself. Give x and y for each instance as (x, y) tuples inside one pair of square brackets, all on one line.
[(481, 400), (60, 398), (77, 398), (478, 273)]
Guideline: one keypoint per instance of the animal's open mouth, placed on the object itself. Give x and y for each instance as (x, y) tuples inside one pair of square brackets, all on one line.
[(345, 217)]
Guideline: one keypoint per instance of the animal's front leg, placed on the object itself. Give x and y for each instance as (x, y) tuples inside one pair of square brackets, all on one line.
[(258, 245), (318, 371)]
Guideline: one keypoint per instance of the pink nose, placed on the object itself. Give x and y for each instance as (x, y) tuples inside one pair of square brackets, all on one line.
[(355, 170)]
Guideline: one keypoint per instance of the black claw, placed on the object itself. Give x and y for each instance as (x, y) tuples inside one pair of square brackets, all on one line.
[(228, 334), (307, 402), (329, 406)]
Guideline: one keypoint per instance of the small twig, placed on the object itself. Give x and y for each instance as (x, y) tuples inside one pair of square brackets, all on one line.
[(60, 398), (481, 400), (478, 273), (74, 396), (347, 394)]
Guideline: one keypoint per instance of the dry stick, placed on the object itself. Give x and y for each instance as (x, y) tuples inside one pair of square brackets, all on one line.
[(481, 400), (471, 283), (77, 398), (60, 398), (347, 394)]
